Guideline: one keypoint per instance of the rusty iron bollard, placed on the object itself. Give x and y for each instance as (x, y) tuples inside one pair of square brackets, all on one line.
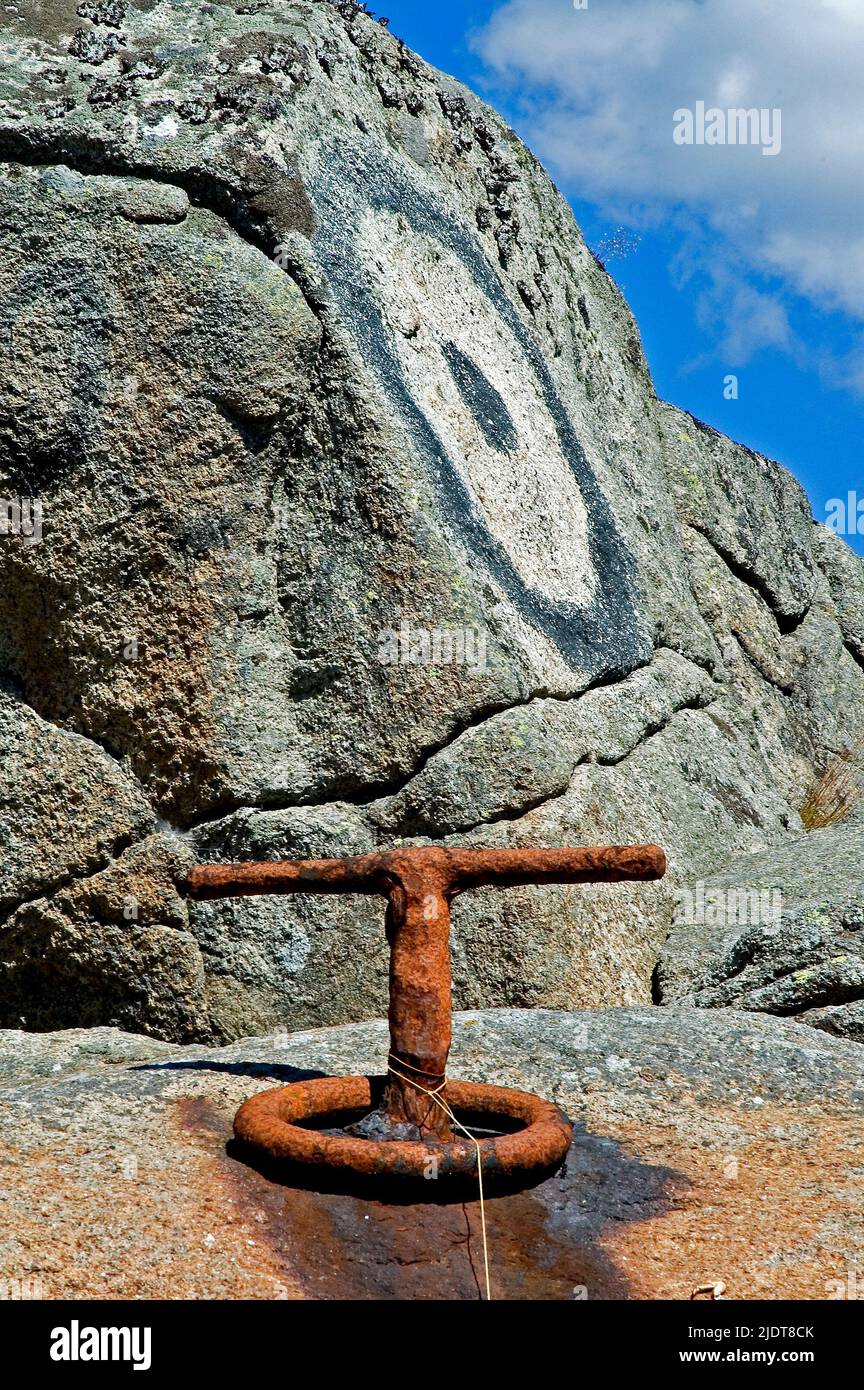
[(419, 885)]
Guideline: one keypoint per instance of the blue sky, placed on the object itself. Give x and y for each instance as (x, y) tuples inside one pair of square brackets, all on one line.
[(733, 261)]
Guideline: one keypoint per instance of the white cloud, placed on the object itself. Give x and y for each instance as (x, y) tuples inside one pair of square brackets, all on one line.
[(602, 84)]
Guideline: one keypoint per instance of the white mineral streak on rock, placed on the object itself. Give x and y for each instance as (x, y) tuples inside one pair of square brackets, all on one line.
[(429, 300)]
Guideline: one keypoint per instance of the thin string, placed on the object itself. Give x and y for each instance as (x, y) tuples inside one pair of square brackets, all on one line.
[(439, 1075), (442, 1104)]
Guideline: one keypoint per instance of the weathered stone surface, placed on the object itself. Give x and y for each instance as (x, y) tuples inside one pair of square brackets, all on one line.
[(30, 1058), (66, 808), (780, 932), (846, 578), (114, 945), (708, 1145), (300, 344), (748, 508)]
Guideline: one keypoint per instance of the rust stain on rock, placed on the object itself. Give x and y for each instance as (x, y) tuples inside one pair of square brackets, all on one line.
[(544, 1244), (113, 1195), (641, 1212), (134, 1214)]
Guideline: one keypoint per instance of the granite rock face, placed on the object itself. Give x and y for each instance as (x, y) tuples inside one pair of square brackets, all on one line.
[(780, 932), (360, 524), (708, 1146)]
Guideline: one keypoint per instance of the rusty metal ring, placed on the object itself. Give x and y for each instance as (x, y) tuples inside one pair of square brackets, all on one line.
[(272, 1123)]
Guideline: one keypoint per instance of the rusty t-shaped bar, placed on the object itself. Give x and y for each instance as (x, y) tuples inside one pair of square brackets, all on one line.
[(419, 885)]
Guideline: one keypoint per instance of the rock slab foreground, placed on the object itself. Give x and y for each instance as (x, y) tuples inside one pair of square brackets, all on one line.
[(709, 1145)]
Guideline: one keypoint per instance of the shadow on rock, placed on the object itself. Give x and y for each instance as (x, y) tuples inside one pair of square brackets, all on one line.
[(398, 1242), (268, 1070)]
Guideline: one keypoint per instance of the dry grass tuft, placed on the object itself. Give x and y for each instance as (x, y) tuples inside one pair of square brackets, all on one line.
[(834, 796)]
